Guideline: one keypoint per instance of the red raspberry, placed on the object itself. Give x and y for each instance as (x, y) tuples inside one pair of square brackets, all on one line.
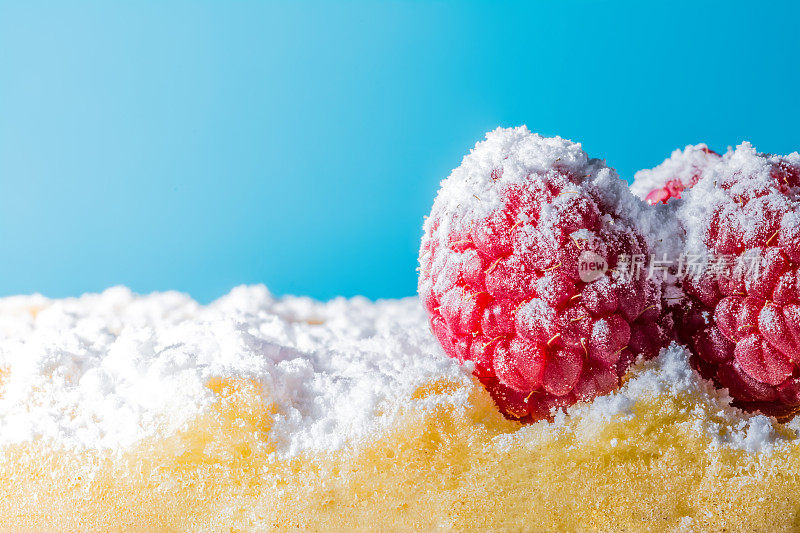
[(742, 316), (680, 172), (500, 277)]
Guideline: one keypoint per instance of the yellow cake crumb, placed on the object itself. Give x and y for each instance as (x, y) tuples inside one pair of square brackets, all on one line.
[(126, 413), (447, 469)]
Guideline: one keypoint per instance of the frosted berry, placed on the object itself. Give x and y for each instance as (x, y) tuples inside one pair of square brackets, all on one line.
[(742, 316), (681, 171), (521, 272)]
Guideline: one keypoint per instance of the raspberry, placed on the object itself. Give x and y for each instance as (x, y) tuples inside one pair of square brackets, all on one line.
[(680, 172), (501, 276), (742, 316)]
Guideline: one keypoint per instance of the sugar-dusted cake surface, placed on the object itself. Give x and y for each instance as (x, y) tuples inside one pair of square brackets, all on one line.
[(121, 412)]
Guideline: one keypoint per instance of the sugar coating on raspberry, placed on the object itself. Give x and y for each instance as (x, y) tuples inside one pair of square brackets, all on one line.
[(519, 272), (742, 319), (681, 171)]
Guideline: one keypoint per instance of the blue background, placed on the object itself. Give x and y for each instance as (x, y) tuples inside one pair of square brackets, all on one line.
[(196, 146)]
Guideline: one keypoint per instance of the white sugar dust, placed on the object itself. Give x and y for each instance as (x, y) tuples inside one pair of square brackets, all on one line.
[(106, 370)]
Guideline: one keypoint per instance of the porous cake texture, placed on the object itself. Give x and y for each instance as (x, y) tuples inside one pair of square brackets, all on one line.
[(123, 412)]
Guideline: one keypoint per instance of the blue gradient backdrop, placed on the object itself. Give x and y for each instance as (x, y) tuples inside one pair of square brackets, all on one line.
[(196, 146)]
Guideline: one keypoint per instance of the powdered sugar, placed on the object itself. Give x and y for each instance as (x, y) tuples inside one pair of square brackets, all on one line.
[(104, 371), (684, 168), (506, 158), (671, 376), (510, 156)]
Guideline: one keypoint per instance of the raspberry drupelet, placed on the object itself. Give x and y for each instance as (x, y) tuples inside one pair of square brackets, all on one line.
[(742, 315), (504, 278), (681, 171)]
